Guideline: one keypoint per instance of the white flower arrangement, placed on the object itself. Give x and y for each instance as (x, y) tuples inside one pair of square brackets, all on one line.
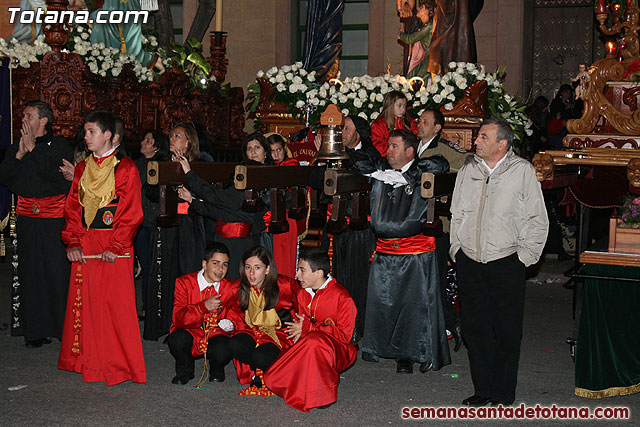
[(23, 54), (364, 95), (107, 61)]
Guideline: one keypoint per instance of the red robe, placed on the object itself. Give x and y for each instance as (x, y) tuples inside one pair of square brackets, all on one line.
[(101, 308), (189, 311), (307, 374), (380, 132), (288, 288)]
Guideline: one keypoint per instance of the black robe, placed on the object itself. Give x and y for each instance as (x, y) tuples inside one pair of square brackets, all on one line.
[(39, 296), (174, 251), (225, 204), (404, 314)]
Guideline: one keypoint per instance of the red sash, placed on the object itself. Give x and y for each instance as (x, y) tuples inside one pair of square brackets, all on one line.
[(413, 245), (183, 208), (232, 229), (42, 207)]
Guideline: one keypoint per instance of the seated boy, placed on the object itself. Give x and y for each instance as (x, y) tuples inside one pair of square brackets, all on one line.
[(101, 336), (205, 311), (307, 374)]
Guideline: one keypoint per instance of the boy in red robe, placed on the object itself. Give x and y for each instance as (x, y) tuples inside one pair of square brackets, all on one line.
[(205, 312), (101, 335), (307, 374)]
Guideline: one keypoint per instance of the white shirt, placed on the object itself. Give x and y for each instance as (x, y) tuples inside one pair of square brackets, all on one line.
[(423, 146), (496, 166), (105, 154), (324, 285), (203, 284)]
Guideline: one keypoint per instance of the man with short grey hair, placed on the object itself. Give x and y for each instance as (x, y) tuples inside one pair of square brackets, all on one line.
[(499, 226)]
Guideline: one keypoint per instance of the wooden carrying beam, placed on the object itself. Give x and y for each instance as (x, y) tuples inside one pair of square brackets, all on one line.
[(437, 185), (261, 177), (162, 173)]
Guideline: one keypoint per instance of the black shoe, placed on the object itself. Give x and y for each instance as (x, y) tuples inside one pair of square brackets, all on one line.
[(368, 357), (457, 337), (216, 375), (182, 380), (256, 382), (37, 343), (426, 367), (325, 406), (404, 366), (476, 401)]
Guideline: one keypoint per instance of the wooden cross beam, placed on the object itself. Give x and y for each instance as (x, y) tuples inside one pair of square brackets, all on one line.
[(275, 179)]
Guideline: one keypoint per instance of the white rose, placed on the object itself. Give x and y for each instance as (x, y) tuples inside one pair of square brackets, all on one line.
[(300, 104), (374, 115), (298, 64), (93, 67), (357, 103), (281, 87), (303, 72), (345, 111), (279, 78), (289, 76), (409, 96), (272, 80), (342, 99), (470, 66), (294, 67), (297, 80), (448, 106), (372, 97), (461, 83), (272, 71), (363, 115), (437, 98), (452, 64), (293, 88), (312, 76), (315, 101), (116, 72), (260, 74), (103, 73), (332, 90), (322, 92), (286, 68), (451, 97), (379, 97)]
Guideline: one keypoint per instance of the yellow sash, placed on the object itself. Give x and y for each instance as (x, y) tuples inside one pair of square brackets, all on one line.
[(97, 186), (266, 321)]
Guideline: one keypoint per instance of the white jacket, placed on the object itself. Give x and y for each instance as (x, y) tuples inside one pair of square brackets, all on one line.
[(493, 216)]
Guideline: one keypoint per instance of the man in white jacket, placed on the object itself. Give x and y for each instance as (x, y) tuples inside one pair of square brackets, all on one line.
[(499, 226)]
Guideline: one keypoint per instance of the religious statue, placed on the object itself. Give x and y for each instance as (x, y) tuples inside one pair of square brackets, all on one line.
[(28, 33), (633, 173), (419, 41), (583, 78), (126, 36)]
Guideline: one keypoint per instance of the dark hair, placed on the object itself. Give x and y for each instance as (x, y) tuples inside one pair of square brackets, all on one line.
[(80, 151), (270, 286), (119, 130), (317, 260), (438, 118), (104, 120), (161, 142), (44, 112), (504, 129), (193, 147), (215, 248), (408, 138), (268, 160)]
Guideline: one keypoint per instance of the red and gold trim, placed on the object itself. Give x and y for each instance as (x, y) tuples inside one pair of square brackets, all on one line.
[(77, 310)]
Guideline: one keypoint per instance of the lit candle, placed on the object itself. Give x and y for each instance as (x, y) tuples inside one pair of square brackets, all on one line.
[(611, 50), (218, 18), (601, 9)]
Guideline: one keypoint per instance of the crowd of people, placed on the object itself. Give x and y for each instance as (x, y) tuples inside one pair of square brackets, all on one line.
[(219, 285)]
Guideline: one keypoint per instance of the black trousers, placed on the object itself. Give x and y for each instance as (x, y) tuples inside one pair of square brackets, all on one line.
[(243, 348), (492, 306), (180, 343), (451, 316)]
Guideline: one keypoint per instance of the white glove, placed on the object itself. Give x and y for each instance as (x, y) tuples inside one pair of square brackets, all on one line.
[(389, 176), (226, 325)]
